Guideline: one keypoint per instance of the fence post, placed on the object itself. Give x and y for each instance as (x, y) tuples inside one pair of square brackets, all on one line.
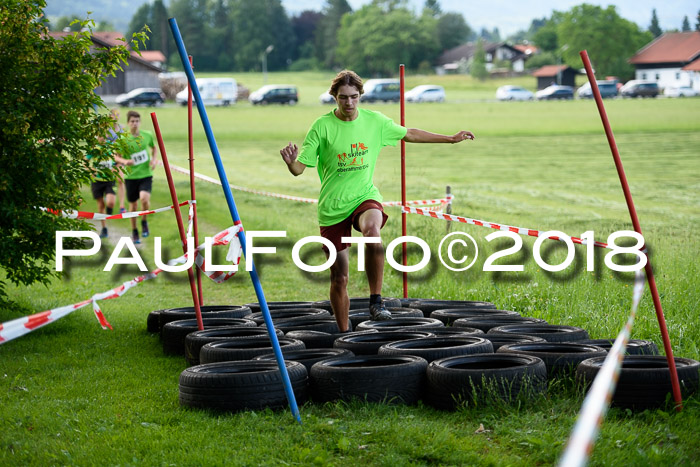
[(448, 209)]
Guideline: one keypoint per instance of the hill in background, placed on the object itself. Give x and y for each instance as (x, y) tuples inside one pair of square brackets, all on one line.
[(116, 12)]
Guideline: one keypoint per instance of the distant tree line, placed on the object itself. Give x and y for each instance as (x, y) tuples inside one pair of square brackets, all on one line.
[(233, 35)]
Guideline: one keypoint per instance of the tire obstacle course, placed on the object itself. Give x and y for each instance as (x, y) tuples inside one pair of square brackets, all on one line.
[(410, 361)]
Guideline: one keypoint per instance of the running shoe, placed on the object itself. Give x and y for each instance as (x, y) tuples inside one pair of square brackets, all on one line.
[(378, 312), (144, 229), (103, 233), (135, 236)]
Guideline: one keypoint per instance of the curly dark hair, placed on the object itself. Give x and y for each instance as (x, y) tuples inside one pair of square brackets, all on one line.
[(346, 77)]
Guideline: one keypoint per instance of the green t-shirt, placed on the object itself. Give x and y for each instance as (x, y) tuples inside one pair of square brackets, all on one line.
[(345, 155), (139, 150), (108, 164)]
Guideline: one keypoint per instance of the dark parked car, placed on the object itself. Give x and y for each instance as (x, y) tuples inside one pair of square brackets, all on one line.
[(555, 91), (606, 88), (385, 90), (141, 96), (275, 94), (638, 88)]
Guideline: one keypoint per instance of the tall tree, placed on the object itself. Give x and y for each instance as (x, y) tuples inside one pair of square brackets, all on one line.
[(257, 24), (193, 24), (654, 27), (453, 30), (160, 31), (305, 28), (327, 32), (686, 24), (71, 23), (588, 27), (220, 35), (47, 124), (377, 39), (697, 21), (140, 18), (432, 7)]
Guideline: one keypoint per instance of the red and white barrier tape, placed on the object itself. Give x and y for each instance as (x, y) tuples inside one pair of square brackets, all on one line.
[(596, 404), (491, 225), (424, 202), (106, 217), (21, 326)]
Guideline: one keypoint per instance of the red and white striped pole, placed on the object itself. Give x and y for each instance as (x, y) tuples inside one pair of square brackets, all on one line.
[(403, 179), (675, 385)]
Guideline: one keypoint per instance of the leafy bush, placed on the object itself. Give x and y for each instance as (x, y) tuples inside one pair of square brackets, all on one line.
[(49, 121)]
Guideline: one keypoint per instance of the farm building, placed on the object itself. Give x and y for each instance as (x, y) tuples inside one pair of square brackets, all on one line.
[(140, 71), (672, 59)]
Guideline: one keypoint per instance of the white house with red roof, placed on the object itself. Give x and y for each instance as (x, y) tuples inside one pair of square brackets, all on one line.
[(672, 59)]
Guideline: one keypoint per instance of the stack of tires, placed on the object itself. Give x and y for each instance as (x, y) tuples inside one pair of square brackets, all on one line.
[(446, 353)]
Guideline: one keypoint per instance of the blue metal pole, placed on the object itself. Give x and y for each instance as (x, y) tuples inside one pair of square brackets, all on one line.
[(234, 215)]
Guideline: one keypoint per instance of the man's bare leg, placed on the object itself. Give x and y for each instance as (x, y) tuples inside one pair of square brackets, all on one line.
[(339, 290)]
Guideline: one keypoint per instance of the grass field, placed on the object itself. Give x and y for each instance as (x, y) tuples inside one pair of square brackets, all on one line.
[(73, 394)]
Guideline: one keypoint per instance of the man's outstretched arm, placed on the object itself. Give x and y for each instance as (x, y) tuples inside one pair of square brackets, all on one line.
[(289, 155), (415, 135)]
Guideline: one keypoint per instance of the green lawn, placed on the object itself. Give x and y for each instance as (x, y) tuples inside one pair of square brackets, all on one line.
[(75, 394)]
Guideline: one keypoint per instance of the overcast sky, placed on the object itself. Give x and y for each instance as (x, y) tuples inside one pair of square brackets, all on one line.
[(512, 15)]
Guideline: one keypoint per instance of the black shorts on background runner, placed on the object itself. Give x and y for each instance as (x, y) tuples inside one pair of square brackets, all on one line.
[(135, 186), (101, 188)]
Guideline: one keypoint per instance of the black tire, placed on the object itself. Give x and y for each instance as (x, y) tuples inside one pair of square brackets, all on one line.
[(428, 306), (289, 313), (368, 343), (358, 303), (208, 311), (359, 315), (486, 323), (194, 341), (328, 325), (152, 324), (499, 340), (316, 339), (548, 332), (373, 378), (401, 323), (645, 380), (560, 358), (244, 348), (237, 386), (433, 348), (456, 332), (449, 315), (634, 346), (454, 380), (308, 357), (173, 333), (255, 307)]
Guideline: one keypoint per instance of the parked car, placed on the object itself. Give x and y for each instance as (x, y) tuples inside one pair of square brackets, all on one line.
[(386, 90), (513, 93), (680, 91), (326, 98), (275, 94), (639, 88), (426, 93), (555, 91), (606, 88), (141, 96), (214, 91)]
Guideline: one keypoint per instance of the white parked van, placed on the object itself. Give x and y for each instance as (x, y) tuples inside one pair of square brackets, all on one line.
[(214, 91)]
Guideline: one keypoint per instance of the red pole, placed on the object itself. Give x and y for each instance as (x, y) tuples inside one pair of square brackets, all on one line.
[(675, 385), (403, 179), (178, 216), (192, 191)]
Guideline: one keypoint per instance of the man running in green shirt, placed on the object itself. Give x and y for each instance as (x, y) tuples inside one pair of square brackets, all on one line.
[(344, 145), (140, 161)]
